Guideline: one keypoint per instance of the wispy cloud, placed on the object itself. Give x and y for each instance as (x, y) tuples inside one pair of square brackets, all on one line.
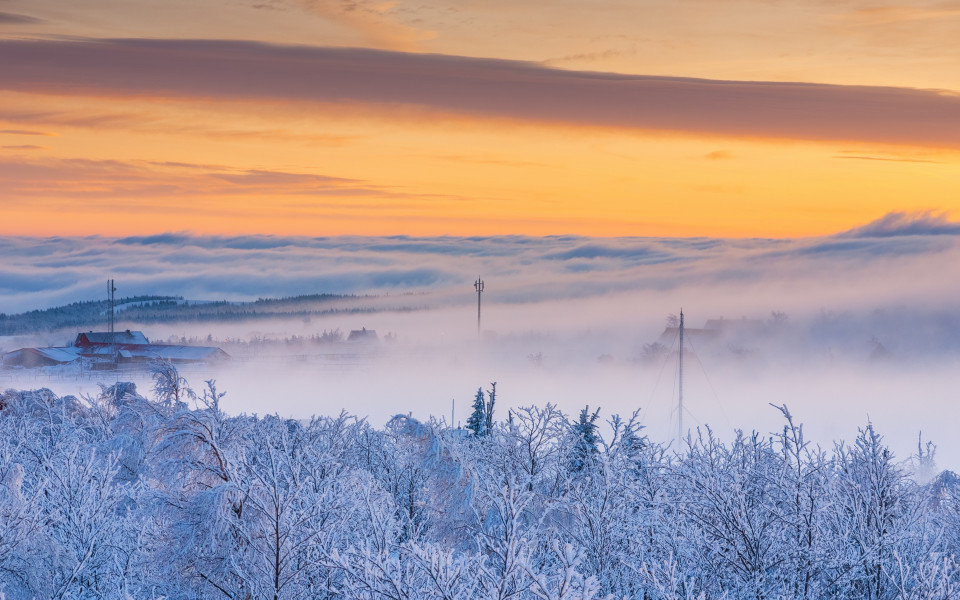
[(906, 223), (873, 16), (139, 181), (371, 20), (885, 158), (482, 88), (276, 179), (25, 132), (7, 18), (718, 155), (588, 57), (154, 122)]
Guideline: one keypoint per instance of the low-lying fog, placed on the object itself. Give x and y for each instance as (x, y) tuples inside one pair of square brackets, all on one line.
[(856, 327)]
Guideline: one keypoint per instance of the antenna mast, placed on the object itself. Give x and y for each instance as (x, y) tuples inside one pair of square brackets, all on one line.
[(478, 285), (680, 379), (110, 301)]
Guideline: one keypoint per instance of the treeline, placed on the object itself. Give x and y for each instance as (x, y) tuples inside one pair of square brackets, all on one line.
[(123, 496), (327, 336), (76, 315), (167, 309)]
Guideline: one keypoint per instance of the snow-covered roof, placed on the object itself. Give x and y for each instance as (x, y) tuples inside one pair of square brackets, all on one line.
[(363, 335), (41, 356), (117, 337), (37, 357), (165, 351), (187, 352), (59, 354)]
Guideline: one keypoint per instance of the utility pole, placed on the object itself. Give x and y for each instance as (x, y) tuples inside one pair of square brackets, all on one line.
[(478, 285), (111, 301), (680, 396)]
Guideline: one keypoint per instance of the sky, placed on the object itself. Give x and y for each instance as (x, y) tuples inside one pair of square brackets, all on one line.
[(726, 119)]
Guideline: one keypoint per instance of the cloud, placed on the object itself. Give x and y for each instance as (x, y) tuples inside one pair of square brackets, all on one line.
[(874, 16), (481, 88), (883, 158), (171, 239), (17, 19), (278, 179), (25, 147), (140, 180), (25, 132), (588, 57), (865, 267), (14, 282), (718, 155), (869, 249), (184, 165), (71, 118), (593, 251), (371, 20), (896, 224)]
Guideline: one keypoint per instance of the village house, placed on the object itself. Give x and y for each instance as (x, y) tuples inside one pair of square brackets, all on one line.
[(106, 350)]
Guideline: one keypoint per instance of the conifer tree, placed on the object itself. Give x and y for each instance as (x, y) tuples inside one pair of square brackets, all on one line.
[(477, 423), (586, 442)]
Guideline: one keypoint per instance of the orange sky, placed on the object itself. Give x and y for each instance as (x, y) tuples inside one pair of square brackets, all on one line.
[(113, 138)]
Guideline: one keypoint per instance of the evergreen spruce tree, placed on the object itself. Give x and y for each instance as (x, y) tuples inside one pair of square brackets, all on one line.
[(477, 423), (587, 440), (632, 442)]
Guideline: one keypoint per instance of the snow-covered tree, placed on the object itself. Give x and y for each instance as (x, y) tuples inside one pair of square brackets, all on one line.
[(533, 443), (875, 517), (477, 423), (488, 409), (172, 391), (586, 441), (119, 496), (566, 582), (506, 531), (21, 497)]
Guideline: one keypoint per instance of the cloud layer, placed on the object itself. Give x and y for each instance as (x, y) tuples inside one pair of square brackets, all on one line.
[(903, 223), (236, 70), (900, 258)]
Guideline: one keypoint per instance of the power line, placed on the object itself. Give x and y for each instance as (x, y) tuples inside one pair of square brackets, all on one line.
[(716, 397)]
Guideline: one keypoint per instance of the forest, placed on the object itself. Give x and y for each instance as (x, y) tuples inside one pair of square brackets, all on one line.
[(92, 314), (163, 495)]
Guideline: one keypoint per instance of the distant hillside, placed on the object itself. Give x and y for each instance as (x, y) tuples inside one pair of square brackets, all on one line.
[(166, 309)]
